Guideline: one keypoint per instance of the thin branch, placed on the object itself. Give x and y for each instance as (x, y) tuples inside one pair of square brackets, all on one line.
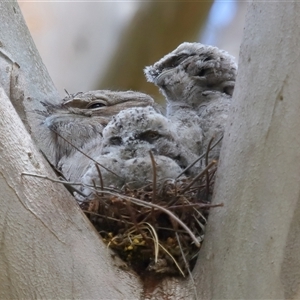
[(153, 186), (200, 157), (187, 265), (154, 177), (50, 179), (169, 213), (198, 176), (206, 163), (100, 177), (85, 154), (134, 200)]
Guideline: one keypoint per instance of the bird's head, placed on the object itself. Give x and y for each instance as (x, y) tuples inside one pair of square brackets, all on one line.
[(136, 131), (127, 141), (106, 103), (192, 70), (81, 117)]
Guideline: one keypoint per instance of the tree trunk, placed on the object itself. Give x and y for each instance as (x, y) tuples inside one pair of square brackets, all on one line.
[(252, 244), (23, 75), (49, 249)]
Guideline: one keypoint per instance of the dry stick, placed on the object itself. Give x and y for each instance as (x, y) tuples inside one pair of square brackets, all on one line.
[(71, 188), (133, 218), (150, 214), (187, 265), (200, 205), (67, 93), (153, 186), (135, 223), (134, 200), (206, 163), (154, 176), (172, 229), (169, 213), (50, 179), (147, 214), (56, 181), (98, 198), (173, 258), (154, 236), (60, 175), (198, 176), (96, 203), (212, 174), (207, 150), (100, 177), (200, 157), (101, 187), (85, 154), (107, 217), (164, 183), (65, 182)]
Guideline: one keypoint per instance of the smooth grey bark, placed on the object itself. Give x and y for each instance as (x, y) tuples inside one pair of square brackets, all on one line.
[(48, 249), (22, 72), (252, 244)]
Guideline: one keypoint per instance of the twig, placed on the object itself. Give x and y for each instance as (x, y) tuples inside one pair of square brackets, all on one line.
[(153, 185), (200, 157), (85, 154), (67, 182), (198, 176), (135, 223), (206, 163), (67, 93), (107, 217), (100, 177), (200, 205), (154, 237), (50, 179), (149, 204), (187, 265), (154, 177), (174, 260)]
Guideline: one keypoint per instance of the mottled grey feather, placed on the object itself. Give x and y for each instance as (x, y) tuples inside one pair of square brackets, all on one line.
[(197, 82), (81, 117), (127, 141)]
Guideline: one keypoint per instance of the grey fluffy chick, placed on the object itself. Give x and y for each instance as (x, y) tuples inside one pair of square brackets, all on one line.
[(81, 117), (197, 82), (127, 141)]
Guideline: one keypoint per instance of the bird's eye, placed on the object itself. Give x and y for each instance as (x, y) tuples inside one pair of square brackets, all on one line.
[(203, 72), (208, 58), (149, 136), (179, 59), (115, 140), (95, 104)]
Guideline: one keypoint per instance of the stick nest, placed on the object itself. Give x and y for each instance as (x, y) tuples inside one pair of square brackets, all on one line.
[(145, 226)]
